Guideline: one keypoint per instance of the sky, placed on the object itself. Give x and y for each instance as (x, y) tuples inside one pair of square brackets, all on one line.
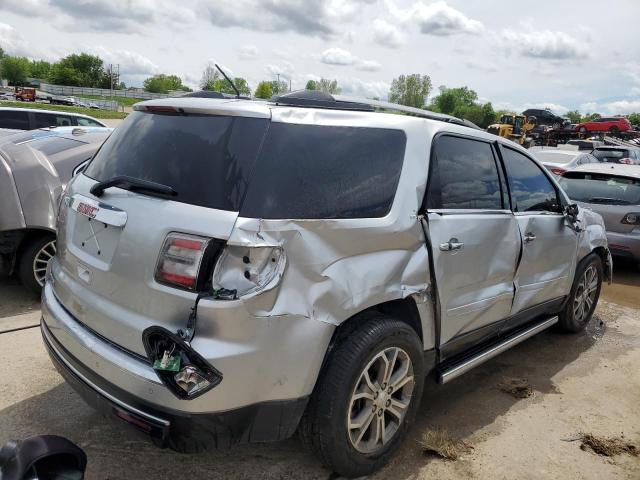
[(561, 54)]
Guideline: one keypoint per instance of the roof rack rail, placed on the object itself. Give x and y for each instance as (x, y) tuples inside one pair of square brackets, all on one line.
[(418, 112), (317, 99)]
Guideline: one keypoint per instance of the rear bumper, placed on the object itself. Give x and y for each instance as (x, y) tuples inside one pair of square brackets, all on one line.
[(625, 244), (262, 422)]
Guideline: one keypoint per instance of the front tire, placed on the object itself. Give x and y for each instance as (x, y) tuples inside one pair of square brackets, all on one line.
[(366, 397), (584, 295)]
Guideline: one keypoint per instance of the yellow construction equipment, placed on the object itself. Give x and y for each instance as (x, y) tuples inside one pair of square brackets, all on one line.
[(514, 127)]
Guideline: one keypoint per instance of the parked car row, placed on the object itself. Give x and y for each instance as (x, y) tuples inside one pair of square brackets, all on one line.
[(30, 119)]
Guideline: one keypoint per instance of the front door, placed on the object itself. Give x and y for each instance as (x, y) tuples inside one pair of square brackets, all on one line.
[(545, 271), (474, 240)]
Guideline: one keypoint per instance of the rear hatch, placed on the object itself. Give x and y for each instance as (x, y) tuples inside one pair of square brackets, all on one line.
[(109, 245), (612, 196)]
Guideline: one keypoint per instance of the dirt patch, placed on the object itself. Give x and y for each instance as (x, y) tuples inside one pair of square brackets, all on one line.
[(516, 387), (608, 446), (438, 442)]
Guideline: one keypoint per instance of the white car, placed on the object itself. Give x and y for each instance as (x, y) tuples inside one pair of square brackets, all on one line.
[(558, 161)]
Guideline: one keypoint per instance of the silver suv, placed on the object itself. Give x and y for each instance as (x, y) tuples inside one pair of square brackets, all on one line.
[(233, 271)]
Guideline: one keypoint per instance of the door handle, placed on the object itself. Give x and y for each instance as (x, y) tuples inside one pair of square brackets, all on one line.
[(452, 244), (529, 237)]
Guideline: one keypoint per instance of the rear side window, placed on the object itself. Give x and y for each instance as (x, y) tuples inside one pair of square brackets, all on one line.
[(610, 156), (463, 175), (206, 159), (311, 171), (44, 120), (15, 120), (530, 187)]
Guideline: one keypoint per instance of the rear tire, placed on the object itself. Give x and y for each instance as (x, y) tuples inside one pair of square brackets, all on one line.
[(614, 130), (355, 420), (34, 261), (584, 295)]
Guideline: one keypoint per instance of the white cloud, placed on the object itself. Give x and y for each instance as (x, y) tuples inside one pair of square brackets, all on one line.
[(369, 65), (337, 56), (31, 8), (359, 88), (544, 44), (124, 16), (483, 66), (248, 52), (386, 34), (618, 107), (286, 70), (131, 63), (437, 18), (12, 42), (320, 18), (342, 57)]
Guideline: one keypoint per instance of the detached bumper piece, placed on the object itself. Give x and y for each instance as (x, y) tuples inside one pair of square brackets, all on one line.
[(261, 422), (184, 372)]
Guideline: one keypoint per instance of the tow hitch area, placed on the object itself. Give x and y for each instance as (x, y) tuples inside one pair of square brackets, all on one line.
[(182, 370)]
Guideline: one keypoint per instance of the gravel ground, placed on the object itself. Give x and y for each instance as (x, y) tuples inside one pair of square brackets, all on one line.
[(588, 382)]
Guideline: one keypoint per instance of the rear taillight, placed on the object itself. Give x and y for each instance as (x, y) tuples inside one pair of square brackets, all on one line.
[(626, 161), (631, 218), (180, 260), (558, 171)]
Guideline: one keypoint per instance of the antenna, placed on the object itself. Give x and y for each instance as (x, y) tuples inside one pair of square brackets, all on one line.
[(228, 80)]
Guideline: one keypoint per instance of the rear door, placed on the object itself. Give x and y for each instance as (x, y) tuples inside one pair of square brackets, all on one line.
[(474, 240), (549, 245)]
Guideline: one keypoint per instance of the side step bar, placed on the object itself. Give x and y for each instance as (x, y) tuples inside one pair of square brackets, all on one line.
[(456, 370)]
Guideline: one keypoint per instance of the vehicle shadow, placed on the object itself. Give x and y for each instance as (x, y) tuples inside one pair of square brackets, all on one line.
[(462, 407), (15, 299)]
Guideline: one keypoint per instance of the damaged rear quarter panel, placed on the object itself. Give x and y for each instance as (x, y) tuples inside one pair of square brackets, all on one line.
[(339, 267)]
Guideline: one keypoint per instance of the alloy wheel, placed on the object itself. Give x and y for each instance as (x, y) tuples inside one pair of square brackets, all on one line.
[(380, 400), (585, 294), (41, 261)]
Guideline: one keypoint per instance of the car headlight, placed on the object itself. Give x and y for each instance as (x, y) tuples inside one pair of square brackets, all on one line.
[(248, 270)]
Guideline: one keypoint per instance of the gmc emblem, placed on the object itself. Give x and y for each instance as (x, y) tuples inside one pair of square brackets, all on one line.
[(88, 210)]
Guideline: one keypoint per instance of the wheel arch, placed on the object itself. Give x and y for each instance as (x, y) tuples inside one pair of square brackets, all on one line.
[(30, 235)]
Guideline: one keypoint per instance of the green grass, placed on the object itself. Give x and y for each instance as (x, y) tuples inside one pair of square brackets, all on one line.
[(122, 101), (91, 112)]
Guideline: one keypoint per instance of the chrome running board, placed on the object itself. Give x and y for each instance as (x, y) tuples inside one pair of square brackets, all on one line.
[(464, 366)]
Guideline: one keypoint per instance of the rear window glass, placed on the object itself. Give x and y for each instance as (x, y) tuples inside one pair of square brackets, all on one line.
[(53, 145), (311, 171), (610, 156), (601, 188), (206, 159), (554, 157)]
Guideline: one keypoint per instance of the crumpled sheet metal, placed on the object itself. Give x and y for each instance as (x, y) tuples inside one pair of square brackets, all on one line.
[(337, 268), (592, 236)]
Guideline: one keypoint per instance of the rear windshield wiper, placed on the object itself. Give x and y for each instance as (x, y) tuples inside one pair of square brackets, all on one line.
[(612, 201), (133, 184)]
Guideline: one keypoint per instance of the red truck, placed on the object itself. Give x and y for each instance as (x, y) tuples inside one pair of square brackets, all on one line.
[(24, 94)]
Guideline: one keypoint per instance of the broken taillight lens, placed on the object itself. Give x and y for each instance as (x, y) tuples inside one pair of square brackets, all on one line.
[(180, 260)]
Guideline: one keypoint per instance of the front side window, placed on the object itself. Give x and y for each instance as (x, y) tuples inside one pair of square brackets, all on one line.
[(44, 120), (530, 187), (317, 171), (463, 175)]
